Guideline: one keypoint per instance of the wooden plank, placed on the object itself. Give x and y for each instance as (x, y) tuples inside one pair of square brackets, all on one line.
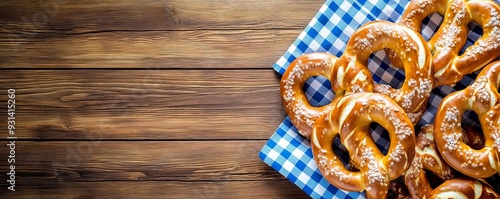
[(38, 163), (171, 49), (143, 104), (63, 16), (160, 189)]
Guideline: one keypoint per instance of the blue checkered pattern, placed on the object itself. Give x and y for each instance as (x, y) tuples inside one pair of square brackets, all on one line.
[(291, 155), (319, 91), (287, 151)]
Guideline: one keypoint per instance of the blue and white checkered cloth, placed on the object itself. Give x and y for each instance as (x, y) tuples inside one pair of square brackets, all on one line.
[(287, 151)]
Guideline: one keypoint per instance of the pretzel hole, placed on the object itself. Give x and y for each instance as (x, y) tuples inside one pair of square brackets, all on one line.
[(397, 189), (318, 90), (473, 135), (433, 179), (380, 136), (384, 72), (430, 25), (341, 152), (494, 181), (475, 32)]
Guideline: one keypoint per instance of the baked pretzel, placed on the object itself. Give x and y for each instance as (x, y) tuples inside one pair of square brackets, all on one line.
[(410, 47), (449, 39), (482, 97), (351, 119), (295, 102), (464, 188), (426, 158)]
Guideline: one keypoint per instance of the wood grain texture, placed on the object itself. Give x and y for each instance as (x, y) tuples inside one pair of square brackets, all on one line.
[(131, 169), (145, 98), (94, 160), (70, 16), (171, 49), (161, 189), (144, 104)]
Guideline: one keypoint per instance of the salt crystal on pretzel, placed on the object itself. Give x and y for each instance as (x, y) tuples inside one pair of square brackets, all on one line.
[(344, 81), (450, 38), (426, 158), (351, 118), (483, 98), (410, 47)]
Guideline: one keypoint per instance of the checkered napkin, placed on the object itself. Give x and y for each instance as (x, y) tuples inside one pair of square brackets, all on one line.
[(287, 151)]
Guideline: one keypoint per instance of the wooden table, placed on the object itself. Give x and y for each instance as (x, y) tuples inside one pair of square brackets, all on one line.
[(143, 98)]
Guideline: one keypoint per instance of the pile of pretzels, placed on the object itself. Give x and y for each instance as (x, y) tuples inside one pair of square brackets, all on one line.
[(460, 157)]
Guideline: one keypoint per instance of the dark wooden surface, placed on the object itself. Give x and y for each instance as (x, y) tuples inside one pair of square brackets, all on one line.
[(145, 99)]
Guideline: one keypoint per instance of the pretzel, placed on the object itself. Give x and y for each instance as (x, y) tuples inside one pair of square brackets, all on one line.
[(449, 39), (295, 102), (426, 158), (482, 97), (410, 47), (351, 118), (464, 188)]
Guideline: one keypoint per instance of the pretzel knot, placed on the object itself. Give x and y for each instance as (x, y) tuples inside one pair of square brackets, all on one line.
[(351, 119), (295, 102), (481, 97), (410, 47), (450, 38)]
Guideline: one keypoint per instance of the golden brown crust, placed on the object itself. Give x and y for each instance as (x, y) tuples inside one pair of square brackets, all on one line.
[(427, 65), (427, 158), (482, 97), (295, 102), (350, 119), (417, 10), (466, 188), (450, 67), (414, 13), (410, 47), (349, 73), (432, 160), (328, 163), (445, 44)]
